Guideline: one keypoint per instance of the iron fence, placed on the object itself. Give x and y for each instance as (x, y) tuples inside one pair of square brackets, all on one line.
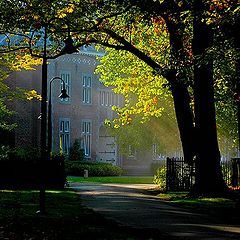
[(181, 176)]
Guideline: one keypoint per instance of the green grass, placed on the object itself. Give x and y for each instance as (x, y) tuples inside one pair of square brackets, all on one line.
[(122, 179), (183, 199), (219, 207), (66, 219)]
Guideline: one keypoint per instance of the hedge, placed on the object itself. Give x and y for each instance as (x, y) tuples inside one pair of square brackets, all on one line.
[(24, 169), (76, 168)]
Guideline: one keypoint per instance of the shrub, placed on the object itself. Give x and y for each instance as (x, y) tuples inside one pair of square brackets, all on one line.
[(76, 153), (26, 154), (160, 177), (77, 168), (21, 168), (155, 165), (4, 152)]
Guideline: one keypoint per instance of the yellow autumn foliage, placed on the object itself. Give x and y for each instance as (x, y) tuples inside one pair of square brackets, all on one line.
[(67, 10), (32, 94), (25, 62)]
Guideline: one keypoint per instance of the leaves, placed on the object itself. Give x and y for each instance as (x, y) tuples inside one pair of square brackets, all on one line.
[(24, 62), (14, 62), (147, 115)]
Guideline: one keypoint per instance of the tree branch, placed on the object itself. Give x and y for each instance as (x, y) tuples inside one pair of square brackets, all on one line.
[(141, 55)]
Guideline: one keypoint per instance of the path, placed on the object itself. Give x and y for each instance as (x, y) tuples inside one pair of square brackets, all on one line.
[(129, 205)]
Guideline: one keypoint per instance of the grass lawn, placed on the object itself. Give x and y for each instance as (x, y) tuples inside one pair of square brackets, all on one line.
[(122, 179), (220, 207), (183, 199), (66, 219)]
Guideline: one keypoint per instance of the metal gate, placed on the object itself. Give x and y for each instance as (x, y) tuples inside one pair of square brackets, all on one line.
[(180, 175)]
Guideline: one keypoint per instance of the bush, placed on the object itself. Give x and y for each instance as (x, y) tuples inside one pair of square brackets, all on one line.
[(25, 154), (22, 168), (160, 177), (94, 169), (76, 153), (155, 165), (4, 152)]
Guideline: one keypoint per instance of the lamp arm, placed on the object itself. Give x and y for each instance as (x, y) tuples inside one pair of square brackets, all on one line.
[(59, 78)]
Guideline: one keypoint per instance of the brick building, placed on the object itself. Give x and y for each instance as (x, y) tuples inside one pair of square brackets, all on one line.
[(80, 117)]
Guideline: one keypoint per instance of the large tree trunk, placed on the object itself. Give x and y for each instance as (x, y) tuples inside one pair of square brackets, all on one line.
[(184, 118), (209, 179), (179, 88)]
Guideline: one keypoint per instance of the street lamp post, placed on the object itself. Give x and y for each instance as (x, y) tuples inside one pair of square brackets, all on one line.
[(63, 95), (43, 127), (69, 48)]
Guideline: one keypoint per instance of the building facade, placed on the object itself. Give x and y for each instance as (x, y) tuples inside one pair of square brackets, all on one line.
[(80, 117)]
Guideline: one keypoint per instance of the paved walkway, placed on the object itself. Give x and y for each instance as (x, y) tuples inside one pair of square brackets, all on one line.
[(130, 205)]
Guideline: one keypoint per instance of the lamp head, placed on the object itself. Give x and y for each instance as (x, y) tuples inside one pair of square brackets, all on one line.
[(63, 94)]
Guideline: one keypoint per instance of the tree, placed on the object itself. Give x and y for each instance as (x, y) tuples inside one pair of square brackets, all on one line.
[(9, 63), (147, 116), (76, 153), (207, 151), (110, 23), (207, 145)]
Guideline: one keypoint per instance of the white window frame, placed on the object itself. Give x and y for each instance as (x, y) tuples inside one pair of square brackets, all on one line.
[(66, 77), (64, 134), (109, 98), (87, 80), (102, 96), (86, 137)]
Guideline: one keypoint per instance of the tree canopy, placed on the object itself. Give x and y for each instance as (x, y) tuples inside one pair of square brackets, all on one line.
[(13, 62), (190, 29)]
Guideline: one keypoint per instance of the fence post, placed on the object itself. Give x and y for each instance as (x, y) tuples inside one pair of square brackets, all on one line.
[(235, 171)]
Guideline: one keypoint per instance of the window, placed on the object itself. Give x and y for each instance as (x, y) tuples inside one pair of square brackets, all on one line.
[(87, 89), (64, 135), (86, 137), (109, 98), (66, 78), (102, 97)]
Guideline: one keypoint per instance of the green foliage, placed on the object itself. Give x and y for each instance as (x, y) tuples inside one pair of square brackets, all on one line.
[(26, 154), (5, 115), (147, 115), (134, 26), (76, 153), (60, 157), (143, 90), (94, 169), (160, 177), (4, 152), (22, 154), (156, 165), (13, 62), (20, 168), (225, 76)]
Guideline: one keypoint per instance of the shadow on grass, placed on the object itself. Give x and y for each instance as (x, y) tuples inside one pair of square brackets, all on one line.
[(222, 208), (66, 219)]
